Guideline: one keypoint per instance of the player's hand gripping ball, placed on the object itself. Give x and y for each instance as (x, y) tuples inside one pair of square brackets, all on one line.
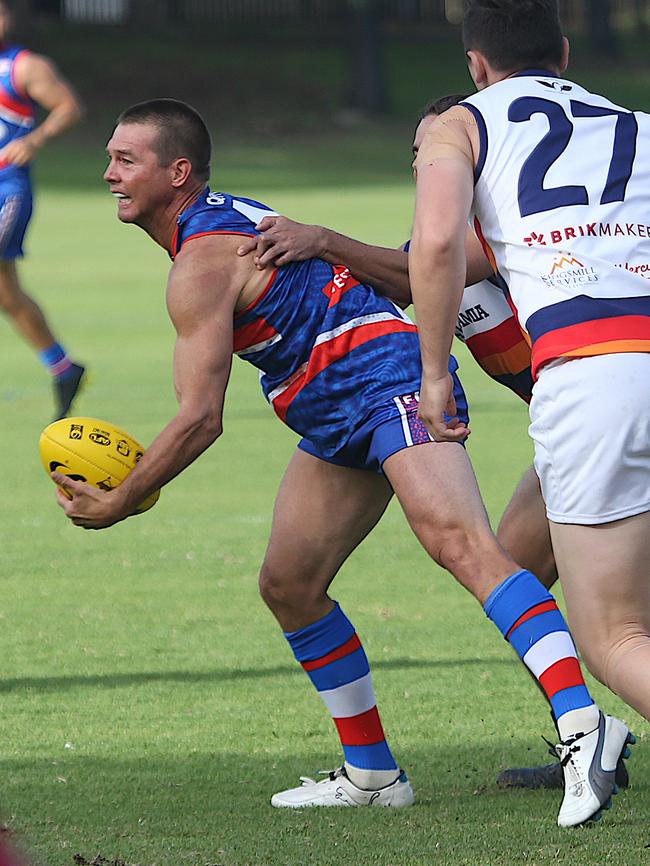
[(87, 449)]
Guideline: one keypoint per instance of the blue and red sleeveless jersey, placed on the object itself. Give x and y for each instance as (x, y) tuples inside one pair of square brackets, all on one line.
[(17, 110), (328, 348)]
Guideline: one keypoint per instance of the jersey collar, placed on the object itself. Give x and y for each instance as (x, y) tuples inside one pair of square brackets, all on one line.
[(536, 73)]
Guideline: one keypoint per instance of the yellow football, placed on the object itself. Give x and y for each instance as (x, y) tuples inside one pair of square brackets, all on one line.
[(91, 450)]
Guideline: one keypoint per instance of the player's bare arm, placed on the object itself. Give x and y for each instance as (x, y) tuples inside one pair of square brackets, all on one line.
[(283, 241), (39, 79), (204, 288), (437, 259)]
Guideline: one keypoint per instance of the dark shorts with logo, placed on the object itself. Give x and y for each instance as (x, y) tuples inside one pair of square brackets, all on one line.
[(390, 428)]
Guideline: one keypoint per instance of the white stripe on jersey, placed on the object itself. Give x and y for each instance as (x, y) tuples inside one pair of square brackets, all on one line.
[(358, 322), (275, 393), (258, 347), (254, 214), (15, 118), (326, 336)]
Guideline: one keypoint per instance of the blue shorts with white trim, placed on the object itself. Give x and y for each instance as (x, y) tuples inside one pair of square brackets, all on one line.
[(391, 427)]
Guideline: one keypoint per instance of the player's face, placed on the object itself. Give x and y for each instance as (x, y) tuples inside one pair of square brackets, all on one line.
[(423, 127), (140, 185)]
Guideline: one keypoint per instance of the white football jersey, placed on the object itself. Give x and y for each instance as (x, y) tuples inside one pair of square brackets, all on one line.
[(562, 207)]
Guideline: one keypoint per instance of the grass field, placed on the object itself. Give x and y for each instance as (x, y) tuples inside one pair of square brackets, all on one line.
[(149, 706)]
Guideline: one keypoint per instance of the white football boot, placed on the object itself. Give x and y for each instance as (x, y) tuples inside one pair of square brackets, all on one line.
[(338, 790), (589, 761)]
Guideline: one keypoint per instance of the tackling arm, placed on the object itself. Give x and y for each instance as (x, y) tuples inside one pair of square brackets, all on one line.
[(201, 298), (283, 241)]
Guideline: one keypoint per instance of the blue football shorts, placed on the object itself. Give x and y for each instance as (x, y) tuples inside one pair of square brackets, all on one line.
[(15, 213), (391, 427)]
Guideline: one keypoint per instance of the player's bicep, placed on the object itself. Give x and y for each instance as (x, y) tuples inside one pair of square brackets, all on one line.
[(443, 200), (202, 362), (39, 78), (201, 298)]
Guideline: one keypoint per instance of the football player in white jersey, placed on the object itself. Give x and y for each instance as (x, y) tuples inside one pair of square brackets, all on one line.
[(556, 180), (497, 344)]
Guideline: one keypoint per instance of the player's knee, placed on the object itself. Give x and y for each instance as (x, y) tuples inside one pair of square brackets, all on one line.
[(607, 657), (11, 301), (277, 590), (458, 550)]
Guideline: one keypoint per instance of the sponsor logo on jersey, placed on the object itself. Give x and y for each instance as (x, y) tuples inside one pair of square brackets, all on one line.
[(471, 316), (567, 271), (409, 402), (560, 86), (588, 230), (5, 66), (642, 269), (564, 262), (216, 199)]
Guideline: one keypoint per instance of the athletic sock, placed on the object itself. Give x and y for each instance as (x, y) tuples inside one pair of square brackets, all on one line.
[(332, 655), (56, 361), (528, 617)]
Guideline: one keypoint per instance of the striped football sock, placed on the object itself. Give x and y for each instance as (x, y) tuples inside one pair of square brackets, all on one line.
[(56, 361), (528, 617), (331, 654)]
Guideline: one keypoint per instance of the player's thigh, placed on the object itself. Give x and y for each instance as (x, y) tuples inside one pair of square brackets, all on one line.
[(605, 575), (322, 512), (523, 530), (437, 489)]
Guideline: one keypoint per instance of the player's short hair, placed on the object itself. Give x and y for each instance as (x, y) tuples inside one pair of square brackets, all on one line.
[(441, 104), (438, 106), (181, 132), (514, 34)]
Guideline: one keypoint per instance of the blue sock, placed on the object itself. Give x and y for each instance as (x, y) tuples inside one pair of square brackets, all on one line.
[(332, 656), (528, 617), (56, 361)]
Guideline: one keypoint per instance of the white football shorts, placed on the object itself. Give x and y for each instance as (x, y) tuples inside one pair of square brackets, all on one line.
[(590, 422)]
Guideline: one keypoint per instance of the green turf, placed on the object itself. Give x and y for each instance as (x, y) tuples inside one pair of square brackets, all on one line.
[(150, 705)]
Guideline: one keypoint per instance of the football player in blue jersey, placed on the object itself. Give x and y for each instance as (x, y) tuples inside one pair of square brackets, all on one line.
[(29, 81), (340, 365)]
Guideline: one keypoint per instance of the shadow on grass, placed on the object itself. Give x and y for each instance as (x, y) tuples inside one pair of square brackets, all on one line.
[(113, 681), (212, 809)]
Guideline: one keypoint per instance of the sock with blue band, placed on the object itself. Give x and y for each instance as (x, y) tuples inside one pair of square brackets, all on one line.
[(56, 360), (331, 654), (528, 617)]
